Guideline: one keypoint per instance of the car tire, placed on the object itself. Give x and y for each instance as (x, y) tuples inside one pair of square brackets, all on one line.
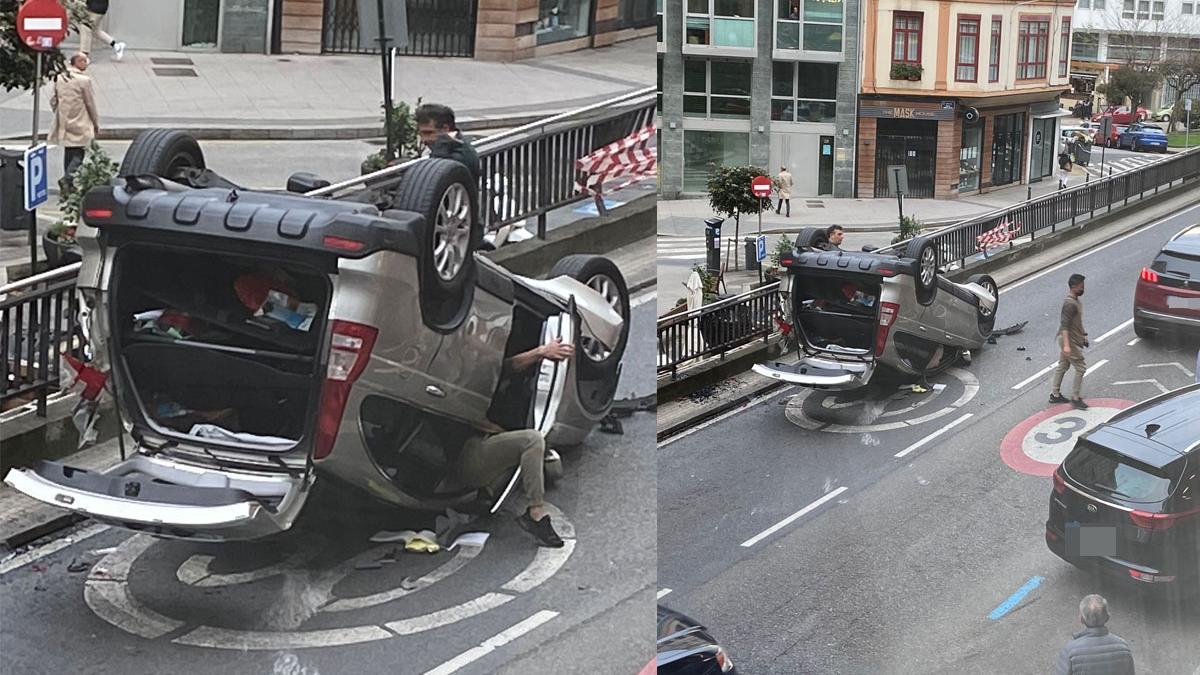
[(925, 252), (1142, 330), (603, 276), (812, 237), (163, 153), (443, 192), (986, 320)]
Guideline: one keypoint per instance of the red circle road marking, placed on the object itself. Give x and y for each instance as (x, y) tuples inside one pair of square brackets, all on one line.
[(1011, 448)]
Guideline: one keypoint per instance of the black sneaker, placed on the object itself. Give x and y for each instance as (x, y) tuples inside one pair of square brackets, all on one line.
[(1079, 404), (541, 530), (1058, 398)]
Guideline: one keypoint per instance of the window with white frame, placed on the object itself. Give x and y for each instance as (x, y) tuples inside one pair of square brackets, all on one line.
[(1086, 47), (1143, 10), (720, 23), (1083, 4), (716, 88), (804, 92), (1189, 8), (819, 22)]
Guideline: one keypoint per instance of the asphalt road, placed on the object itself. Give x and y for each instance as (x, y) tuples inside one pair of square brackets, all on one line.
[(795, 533), (297, 603)]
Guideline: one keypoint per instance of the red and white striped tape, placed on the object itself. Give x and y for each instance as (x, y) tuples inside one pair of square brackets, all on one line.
[(628, 157), (1001, 234)]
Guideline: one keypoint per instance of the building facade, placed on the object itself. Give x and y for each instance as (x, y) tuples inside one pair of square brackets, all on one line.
[(1111, 33), (493, 30), (963, 94), (769, 83)]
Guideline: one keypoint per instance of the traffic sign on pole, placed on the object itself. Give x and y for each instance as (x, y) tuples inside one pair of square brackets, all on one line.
[(41, 24), (761, 249), (36, 183), (760, 187)]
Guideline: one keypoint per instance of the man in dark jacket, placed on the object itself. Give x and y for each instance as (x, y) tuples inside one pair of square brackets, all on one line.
[(437, 130), (1094, 650)]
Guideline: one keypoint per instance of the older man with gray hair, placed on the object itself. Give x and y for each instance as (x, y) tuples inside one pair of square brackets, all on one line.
[(1094, 650)]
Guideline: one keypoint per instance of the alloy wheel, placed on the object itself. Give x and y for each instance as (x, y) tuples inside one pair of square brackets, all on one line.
[(452, 232), (607, 288)]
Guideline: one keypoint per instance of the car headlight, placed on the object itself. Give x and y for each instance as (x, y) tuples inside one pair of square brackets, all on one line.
[(724, 661)]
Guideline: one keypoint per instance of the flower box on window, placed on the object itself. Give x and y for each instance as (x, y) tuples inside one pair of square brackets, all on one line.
[(907, 71)]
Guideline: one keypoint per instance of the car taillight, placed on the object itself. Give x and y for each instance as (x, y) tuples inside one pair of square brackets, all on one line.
[(1149, 275), (887, 316), (349, 351), (785, 261), (1060, 485), (1150, 578), (343, 244), (97, 214), (1159, 521)]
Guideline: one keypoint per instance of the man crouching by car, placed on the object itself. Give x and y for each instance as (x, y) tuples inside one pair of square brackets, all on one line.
[(442, 139), (485, 459)]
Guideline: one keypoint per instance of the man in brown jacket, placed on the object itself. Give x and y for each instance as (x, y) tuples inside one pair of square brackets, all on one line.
[(1071, 341), (75, 122)]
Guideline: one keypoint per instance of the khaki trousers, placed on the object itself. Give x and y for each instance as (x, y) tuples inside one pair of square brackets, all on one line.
[(85, 33), (1065, 362), (486, 459)]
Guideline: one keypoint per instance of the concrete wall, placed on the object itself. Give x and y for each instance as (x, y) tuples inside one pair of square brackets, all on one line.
[(670, 149)]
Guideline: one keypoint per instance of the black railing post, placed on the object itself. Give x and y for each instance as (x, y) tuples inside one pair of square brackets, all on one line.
[(43, 366)]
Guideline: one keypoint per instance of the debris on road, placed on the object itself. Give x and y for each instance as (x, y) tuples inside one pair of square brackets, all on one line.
[(78, 566)]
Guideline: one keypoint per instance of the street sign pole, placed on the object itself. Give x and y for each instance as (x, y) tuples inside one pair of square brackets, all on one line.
[(1187, 126), (33, 141), (387, 81), (760, 210)]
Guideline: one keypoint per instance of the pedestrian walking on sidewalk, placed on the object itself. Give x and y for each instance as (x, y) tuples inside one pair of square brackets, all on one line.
[(1094, 650), (1064, 176), (98, 10), (783, 188), (75, 123), (1072, 340)]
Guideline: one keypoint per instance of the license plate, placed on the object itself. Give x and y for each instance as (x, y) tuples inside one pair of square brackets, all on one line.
[(1091, 540), (1176, 302)]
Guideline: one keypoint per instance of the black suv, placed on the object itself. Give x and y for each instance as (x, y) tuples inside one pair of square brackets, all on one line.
[(1127, 498)]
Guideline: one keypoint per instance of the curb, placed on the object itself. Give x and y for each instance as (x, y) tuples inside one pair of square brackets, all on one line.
[(717, 410)]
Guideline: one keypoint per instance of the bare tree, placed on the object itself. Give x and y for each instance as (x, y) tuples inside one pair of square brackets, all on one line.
[(1181, 70)]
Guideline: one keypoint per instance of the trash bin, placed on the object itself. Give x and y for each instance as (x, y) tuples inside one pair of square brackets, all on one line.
[(1083, 154), (13, 215), (712, 245), (752, 253)]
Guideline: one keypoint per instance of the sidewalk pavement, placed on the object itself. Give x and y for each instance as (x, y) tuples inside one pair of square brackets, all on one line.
[(306, 97), (685, 217)]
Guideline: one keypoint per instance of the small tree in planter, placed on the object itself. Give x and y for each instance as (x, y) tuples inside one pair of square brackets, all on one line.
[(729, 195), (96, 169), (784, 246), (909, 228), (404, 138)]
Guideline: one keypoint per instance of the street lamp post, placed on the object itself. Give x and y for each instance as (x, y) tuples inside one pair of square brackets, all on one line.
[(387, 81)]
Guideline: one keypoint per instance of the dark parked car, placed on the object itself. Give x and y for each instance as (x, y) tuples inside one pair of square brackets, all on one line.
[(1168, 291), (686, 648), (1126, 500)]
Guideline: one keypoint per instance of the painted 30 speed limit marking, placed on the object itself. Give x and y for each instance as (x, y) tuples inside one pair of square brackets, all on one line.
[(1042, 441)]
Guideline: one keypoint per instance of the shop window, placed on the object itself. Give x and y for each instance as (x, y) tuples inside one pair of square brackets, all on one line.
[(970, 156), (994, 50), (1064, 48), (705, 150), (716, 89), (1033, 41), (906, 37), (720, 23), (1086, 47), (966, 65), (201, 19), (819, 21), (560, 20), (804, 92)]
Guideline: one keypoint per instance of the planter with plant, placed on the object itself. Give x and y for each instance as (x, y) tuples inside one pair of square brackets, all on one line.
[(909, 228), (907, 71), (774, 270), (59, 242), (404, 138)]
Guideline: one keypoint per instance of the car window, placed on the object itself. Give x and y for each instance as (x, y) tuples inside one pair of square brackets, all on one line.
[(1106, 471), (1176, 263)]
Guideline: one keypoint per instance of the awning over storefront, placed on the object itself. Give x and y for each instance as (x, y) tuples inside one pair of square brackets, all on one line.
[(1048, 115)]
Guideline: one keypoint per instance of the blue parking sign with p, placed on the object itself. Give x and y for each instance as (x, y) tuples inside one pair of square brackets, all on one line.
[(762, 248), (37, 189)]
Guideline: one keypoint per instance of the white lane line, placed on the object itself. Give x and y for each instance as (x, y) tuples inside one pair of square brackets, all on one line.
[(643, 299), (662, 594), (722, 417), (1088, 252), (792, 518), (1133, 342), (1177, 365), (51, 548), (491, 644), (544, 565), (1153, 382), (1110, 333), (1096, 366), (1038, 374), (934, 435)]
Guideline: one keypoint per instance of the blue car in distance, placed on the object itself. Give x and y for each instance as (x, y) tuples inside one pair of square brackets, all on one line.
[(1139, 137)]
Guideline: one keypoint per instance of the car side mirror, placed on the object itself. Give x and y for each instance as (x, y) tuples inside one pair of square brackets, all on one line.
[(303, 181)]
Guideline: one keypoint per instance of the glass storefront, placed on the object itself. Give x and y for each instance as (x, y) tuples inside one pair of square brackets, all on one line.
[(201, 19), (970, 156), (1008, 137), (704, 149), (560, 20)]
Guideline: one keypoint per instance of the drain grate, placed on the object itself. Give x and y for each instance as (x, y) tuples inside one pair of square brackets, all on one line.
[(175, 72), (171, 61), (814, 203)]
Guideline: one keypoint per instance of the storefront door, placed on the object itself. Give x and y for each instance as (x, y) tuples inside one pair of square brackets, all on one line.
[(912, 143), (825, 167), (1008, 141), (1042, 149)]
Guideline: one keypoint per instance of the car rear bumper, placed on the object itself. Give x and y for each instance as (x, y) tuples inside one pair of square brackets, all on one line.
[(1162, 318), (1110, 566), (819, 373)]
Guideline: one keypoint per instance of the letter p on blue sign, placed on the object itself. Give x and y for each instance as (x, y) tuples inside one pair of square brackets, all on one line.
[(37, 189)]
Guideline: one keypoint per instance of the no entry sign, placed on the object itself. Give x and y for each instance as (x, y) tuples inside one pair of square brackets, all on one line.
[(42, 24), (760, 187)]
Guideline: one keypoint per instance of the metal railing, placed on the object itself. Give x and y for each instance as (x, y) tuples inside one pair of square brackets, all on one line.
[(530, 170), (715, 329), (38, 321)]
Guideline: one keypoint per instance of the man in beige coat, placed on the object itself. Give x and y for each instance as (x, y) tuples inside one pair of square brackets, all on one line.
[(783, 187), (75, 122)]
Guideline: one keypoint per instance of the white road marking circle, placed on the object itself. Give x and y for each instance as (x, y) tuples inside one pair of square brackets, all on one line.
[(877, 409), (109, 596), (1051, 440)]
